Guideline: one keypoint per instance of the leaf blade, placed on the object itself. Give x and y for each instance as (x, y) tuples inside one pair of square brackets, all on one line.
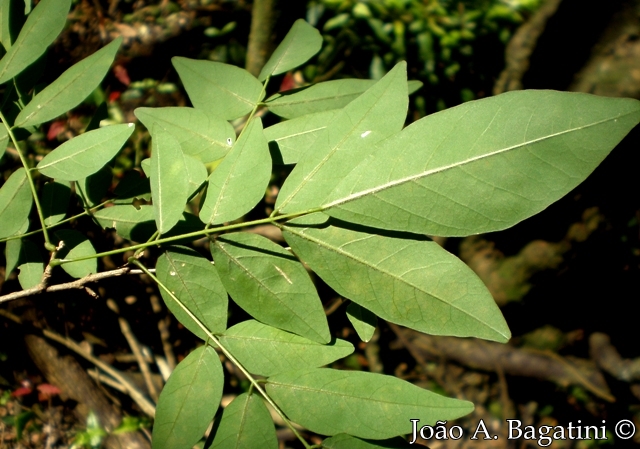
[(85, 154), (266, 350), (365, 405), (403, 279), (449, 161), (70, 89), (189, 400), (270, 285), (76, 245), (298, 46), (15, 203)]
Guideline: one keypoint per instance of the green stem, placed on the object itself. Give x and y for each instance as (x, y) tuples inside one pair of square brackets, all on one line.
[(47, 242), (194, 234), (66, 220), (225, 351)]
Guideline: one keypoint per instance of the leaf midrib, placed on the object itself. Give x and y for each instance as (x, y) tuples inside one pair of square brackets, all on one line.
[(434, 171), (387, 273)]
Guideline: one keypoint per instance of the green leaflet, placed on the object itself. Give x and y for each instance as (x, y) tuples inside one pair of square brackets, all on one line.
[(196, 174), (270, 284), (4, 140), (70, 89), (363, 321), (293, 138), (265, 350), (402, 278), (221, 89), (93, 188), (15, 203), (12, 256), (484, 165), (30, 265), (169, 185), (298, 46), (76, 245), (344, 441), (240, 181), (245, 424), (189, 400), (55, 201), (375, 115), (85, 154), (322, 97), (364, 405), (5, 25), (195, 282), (43, 25), (201, 134)]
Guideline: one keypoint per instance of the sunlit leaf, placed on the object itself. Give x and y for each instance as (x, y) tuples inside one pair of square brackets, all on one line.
[(402, 278), (362, 404), (363, 321), (169, 185), (266, 350), (321, 97), (293, 138), (241, 179), (270, 284), (195, 282), (201, 134), (245, 424), (70, 89), (298, 46), (221, 89), (189, 400), (77, 245), (484, 165), (85, 154), (196, 174), (378, 113), (43, 25), (15, 203), (55, 201)]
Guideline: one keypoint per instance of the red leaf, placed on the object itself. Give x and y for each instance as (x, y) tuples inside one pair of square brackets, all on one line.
[(45, 391), (56, 128), (121, 73), (22, 391), (113, 96), (288, 82)]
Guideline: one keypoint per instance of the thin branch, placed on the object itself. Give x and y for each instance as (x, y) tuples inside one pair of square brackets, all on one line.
[(79, 284)]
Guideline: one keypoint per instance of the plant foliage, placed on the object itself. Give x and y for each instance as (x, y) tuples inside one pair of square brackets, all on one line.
[(364, 193)]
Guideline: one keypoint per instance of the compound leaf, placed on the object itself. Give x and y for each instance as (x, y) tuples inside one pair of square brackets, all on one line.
[(402, 278), (70, 89), (200, 133), (484, 165), (43, 25), (77, 245), (378, 113), (85, 154), (195, 282), (298, 46), (15, 203), (240, 181), (169, 185), (222, 89), (362, 404), (293, 138), (265, 350), (245, 424), (270, 284), (189, 400)]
